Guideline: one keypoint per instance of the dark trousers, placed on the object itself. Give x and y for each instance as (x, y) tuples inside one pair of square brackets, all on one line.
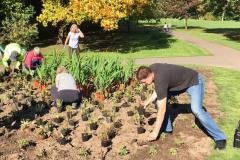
[(73, 50), (35, 64), (68, 96)]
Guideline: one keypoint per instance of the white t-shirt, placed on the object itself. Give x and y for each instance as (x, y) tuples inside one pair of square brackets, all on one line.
[(73, 40), (65, 81)]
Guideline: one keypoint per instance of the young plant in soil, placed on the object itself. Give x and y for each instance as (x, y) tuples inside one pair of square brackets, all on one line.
[(84, 152), (105, 141), (50, 127), (59, 105), (130, 112), (25, 125), (130, 97), (92, 124), (65, 132), (117, 96), (23, 143), (86, 136), (84, 114), (108, 116), (138, 120), (152, 151), (41, 133), (62, 140), (39, 108), (123, 151), (69, 112), (56, 118), (173, 151), (117, 124)]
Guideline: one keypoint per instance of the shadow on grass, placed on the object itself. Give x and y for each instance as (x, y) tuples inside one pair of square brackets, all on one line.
[(139, 38), (230, 33)]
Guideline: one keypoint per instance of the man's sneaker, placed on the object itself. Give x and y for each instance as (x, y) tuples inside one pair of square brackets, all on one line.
[(220, 144)]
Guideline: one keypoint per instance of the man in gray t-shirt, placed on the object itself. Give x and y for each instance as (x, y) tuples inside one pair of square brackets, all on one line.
[(170, 79)]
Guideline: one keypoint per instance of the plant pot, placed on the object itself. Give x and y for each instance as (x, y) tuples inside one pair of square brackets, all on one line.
[(151, 121), (111, 134), (141, 130), (57, 120), (117, 124), (86, 137), (71, 122), (130, 113), (65, 132), (93, 126), (106, 143), (147, 114), (62, 141), (84, 117), (116, 109), (141, 111)]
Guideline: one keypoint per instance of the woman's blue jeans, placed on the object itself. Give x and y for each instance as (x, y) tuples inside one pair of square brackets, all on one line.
[(196, 93)]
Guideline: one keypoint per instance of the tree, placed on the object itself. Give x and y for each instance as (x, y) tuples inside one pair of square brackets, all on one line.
[(106, 12), (17, 26), (178, 8), (223, 8)]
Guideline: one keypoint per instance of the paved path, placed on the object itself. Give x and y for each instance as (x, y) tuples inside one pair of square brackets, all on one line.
[(221, 56)]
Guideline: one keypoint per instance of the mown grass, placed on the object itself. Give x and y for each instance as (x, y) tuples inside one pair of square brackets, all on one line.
[(228, 85), (139, 43), (226, 33)]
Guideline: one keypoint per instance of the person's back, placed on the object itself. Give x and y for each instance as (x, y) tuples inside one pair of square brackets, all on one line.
[(65, 81)]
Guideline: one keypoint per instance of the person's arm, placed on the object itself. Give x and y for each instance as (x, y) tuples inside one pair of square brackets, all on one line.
[(150, 100), (81, 34), (66, 41), (161, 104)]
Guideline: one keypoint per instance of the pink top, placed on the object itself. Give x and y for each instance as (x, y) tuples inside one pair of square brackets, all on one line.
[(30, 57)]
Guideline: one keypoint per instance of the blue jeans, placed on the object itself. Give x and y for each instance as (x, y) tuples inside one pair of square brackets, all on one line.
[(196, 93)]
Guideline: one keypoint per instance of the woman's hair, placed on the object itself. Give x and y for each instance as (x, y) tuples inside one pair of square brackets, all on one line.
[(74, 26), (61, 69), (143, 72)]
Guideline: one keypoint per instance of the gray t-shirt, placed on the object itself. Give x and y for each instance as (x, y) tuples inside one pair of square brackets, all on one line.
[(172, 78), (65, 81)]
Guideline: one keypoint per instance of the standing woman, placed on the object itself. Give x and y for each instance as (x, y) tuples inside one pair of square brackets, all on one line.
[(65, 88), (73, 38)]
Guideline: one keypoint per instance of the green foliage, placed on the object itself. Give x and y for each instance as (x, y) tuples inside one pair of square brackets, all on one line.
[(23, 143), (17, 26), (25, 123), (173, 151), (123, 151), (152, 151), (84, 152)]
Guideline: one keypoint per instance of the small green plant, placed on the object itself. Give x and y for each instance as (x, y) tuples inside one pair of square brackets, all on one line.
[(23, 143), (123, 151), (138, 119), (69, 108), (178, 141), (163, 136), (152, 150), (59, 103), (173, 151), (194, 126), (84, 152), (25, 124)]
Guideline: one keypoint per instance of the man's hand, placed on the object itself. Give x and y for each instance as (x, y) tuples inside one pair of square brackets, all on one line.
[(147, 138)]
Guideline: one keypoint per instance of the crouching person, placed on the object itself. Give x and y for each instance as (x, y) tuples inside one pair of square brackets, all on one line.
[(33, 59), (66, 88)]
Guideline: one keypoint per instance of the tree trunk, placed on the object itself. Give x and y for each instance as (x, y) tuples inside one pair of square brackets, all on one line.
[(223, 14), (186, 22)]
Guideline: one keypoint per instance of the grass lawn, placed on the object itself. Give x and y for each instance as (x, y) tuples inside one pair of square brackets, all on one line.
[(141, 42), (228, 85), (226, 33)]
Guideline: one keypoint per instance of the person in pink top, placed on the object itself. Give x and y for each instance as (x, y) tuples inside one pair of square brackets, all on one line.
[(33, 59)]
